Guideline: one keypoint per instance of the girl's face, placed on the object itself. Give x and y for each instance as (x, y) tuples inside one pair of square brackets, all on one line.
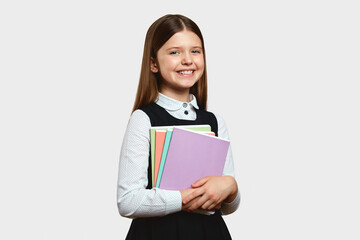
[(180, 62)]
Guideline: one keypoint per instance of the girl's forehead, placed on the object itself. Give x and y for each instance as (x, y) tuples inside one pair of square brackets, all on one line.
[(183, 38)]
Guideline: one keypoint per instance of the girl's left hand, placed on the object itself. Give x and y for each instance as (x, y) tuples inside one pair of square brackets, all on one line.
[(211, 192)]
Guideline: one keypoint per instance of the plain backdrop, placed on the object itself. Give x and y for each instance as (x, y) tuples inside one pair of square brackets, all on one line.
[(283, 74)]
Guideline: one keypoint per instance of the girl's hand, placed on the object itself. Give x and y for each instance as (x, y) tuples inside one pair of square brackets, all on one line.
[(184, 194), (187, 192), (210, 192)]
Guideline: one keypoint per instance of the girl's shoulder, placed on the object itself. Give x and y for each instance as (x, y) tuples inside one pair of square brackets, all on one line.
[(219, 119), (138, 114), (222, 128), (139, 119)]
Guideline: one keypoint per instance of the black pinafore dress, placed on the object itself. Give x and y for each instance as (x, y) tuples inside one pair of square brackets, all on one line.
[(181, 225)]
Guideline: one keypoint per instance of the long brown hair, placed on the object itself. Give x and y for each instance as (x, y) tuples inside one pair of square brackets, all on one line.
[(157, 35)]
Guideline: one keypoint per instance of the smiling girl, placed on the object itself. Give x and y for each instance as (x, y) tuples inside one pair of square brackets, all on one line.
[(173, 91)]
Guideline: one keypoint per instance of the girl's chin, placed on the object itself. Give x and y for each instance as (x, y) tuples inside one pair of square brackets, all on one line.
[(180, 83), (187, 81), (182, 87), (187, 85)]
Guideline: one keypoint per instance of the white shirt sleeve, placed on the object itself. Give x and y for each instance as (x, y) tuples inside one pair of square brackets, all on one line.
[(229, 169), (133, 199)]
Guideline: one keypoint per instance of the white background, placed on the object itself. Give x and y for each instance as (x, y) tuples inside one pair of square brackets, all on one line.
[(283, 74)]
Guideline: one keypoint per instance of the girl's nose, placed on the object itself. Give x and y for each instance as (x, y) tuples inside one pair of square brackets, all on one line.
[(187, 59)]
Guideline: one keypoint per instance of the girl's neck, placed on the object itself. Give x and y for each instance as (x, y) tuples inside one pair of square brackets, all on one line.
[(182, 96)]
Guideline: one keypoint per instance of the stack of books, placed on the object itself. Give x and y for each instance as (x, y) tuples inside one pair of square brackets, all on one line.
[(181, 155)]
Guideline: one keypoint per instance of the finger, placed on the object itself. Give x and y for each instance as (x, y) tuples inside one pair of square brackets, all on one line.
[(217, 207), (210, 204), (198, 203), (186, 206), (193, 195), (207, 204), (213, 206), (192, 205), (199, 182)]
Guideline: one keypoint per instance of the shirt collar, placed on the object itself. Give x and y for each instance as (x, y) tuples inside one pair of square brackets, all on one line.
[(172, 104)]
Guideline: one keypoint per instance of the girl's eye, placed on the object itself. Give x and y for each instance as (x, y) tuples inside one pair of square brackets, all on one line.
[(174, 52), (195, 51)]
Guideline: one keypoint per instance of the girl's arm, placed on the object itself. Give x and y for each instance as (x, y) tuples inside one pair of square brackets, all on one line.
[(133, 199), (228, 206)]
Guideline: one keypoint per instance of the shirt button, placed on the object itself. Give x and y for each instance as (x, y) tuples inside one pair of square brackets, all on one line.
[(186, 112), (184, 105)]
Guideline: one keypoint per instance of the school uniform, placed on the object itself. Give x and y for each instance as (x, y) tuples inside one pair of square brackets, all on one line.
[(157, 213)]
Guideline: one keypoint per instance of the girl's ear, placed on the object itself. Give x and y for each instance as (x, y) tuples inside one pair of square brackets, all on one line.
[(153, 66)]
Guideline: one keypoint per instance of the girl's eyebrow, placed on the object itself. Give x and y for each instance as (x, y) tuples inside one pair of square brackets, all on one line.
[(176, 47)]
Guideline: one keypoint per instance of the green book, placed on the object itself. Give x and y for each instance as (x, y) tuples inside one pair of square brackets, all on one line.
[(200, 128)]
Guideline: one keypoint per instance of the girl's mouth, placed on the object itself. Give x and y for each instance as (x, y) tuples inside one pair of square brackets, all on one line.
[(186, 72)]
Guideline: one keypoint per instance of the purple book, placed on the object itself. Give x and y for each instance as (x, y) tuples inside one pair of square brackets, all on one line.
[(192, 156)]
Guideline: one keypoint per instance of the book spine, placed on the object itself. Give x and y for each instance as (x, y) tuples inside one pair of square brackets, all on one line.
[(163, 156)]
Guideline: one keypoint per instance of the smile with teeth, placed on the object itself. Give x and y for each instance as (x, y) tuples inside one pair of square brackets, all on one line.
[(186, 72)]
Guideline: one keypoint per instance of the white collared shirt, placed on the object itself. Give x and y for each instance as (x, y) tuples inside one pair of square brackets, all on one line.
[(177, 109), (134, 200)]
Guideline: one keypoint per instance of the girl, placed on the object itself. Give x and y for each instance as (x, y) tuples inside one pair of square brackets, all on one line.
[(172, 91)]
